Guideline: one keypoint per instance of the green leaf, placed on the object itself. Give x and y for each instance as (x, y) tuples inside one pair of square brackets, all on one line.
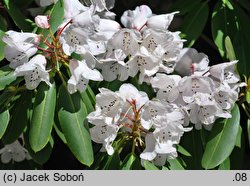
[(225, 165), (19, 118), (175, 164), (183, 151), (60, 134), (22, 3), (192, 142), (72, 113), (4, 121), (42, 117), (2, 44), (229, 49), (20, 20), (222, 140), (245, 4), (112, 162), (149, 166), (6, 77), (86, 100), (223, 24), (39, 157), (194, 23), (3, 24), (131, 162)]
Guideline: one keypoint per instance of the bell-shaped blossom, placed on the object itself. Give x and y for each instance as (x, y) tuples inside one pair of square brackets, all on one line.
[(14, 38), (81, 74), (137, 18), (19, 55), (34, 72), (130, 93), (167, 86), (73, 8), (205, 110), (126, 40), (225, 96), (225, 72), (14, 152), (73, 39), (160, 22), (114, 67), (104, 134), (190, 85), (191, 62), (147, 63), (108, 108), (106, 29), (42, 21)]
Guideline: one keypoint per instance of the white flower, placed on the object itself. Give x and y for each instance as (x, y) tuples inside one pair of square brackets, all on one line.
[(108, 108), (81, 74), (147, 63), (14, 152), (73, 8), (225, 96), (114, 66), (42, 21), (20, 46), (73, 39), (191, 62), (126, 40), (167, 86), (130, 93), (190, 85), (225, 72), (205, 110), (160, 22), (102, 5), (34, 72), (151, 111), (137, 18), (18, 55), (104, 134)]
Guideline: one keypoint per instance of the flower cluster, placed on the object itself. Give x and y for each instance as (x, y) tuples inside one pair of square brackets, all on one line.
[(131, 113)]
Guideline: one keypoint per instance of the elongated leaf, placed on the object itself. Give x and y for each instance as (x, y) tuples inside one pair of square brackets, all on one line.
[(229, 49), (225, 165), (87, 101), (72, 113), (42, 117), (3, 24), (112, 162), (131, 162), (222, 141), (4, 121), (22, 3), (245, 4), (223, 24), (2, 44), (39, 157), (20, 20), (192, 142), (18, 119), (6, 77), (149, 166), (183, 151), (175, 164), (60, 134), (194, 23)]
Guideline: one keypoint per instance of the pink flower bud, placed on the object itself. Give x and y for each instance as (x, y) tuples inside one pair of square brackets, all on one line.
[(42, 21)]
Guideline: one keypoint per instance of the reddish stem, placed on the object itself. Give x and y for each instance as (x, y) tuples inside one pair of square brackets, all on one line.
[(61, 30)]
